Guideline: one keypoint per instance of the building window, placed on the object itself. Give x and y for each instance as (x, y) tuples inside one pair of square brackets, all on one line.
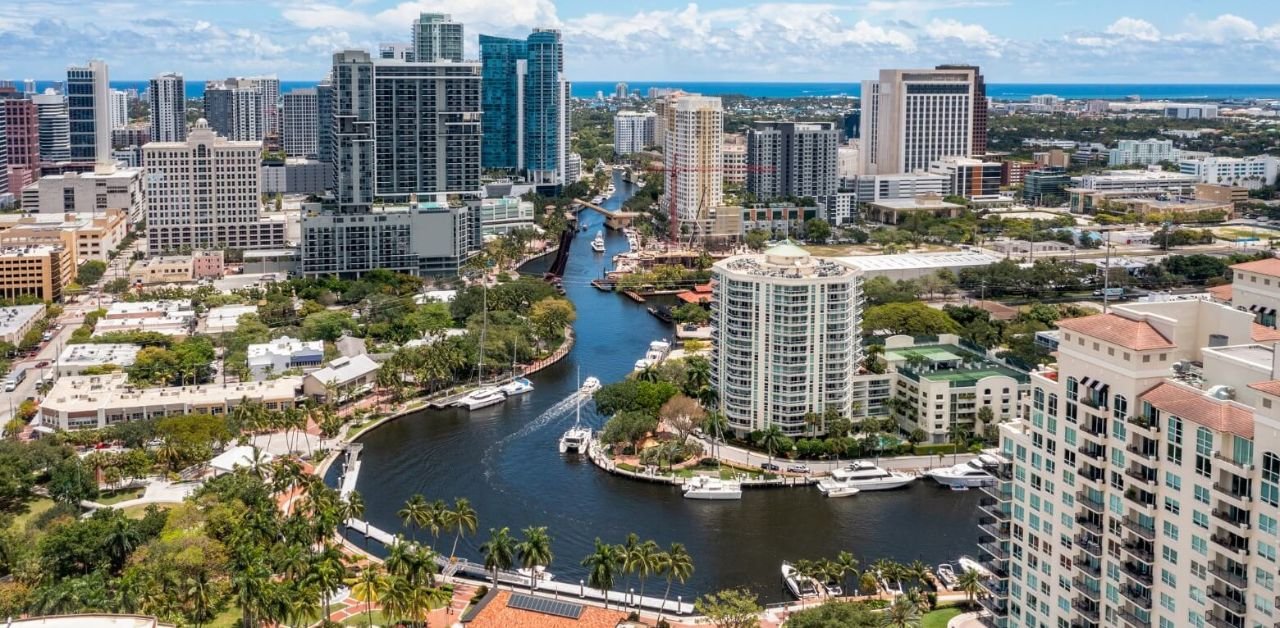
[(1175, 440), (1271, 479)]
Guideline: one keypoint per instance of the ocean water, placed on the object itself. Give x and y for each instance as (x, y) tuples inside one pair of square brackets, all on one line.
[(999, 91)]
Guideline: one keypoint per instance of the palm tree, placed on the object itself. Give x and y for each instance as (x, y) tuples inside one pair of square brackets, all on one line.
[(844, 566), (956, 434), (902, 613), (200, 597), (534, 552), (628, 556), (919, 571), (646, 563), (603, 565), (438, 516), (675, 564), (369, 587), (398, 598), (352, 507), (970, 581), (464, 520), (772, 439), (328, 571), (867, 584), (499, 552), (921, 601), (250, 586), (415, 513), (121, 539)]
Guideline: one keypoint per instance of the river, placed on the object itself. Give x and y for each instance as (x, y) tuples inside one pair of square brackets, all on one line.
[(504, 459)]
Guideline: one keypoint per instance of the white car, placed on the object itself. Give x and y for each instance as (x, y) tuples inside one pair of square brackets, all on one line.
[(798, 468)]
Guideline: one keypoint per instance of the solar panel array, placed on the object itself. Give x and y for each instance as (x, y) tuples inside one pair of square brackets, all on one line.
[(545, 606)]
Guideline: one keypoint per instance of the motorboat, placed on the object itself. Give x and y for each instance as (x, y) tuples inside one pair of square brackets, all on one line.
[(968, 564), (589, 386), (481, 398), (576, 439), (517, 386), (833, 488), (704, 487), (946, 575), (597, 244), (833, 588), (802, 587), (869, 477), (970, 474), (892, 588), (541, 571), (642, 364)]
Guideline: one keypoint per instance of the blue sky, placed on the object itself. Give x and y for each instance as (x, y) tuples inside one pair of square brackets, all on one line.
[(1044, 41)]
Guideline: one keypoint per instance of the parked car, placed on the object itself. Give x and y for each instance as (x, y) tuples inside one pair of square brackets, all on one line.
[(798, 468), (769, 466), (42, 363)]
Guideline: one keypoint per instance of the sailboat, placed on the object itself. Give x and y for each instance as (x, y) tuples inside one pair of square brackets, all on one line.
[(577, 438), (518, 385), (484, 396)]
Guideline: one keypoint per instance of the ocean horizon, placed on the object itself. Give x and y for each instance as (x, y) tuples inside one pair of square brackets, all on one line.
[(998, 91)]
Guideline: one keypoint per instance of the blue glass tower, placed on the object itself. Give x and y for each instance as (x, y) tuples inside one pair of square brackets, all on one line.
[(526, 116), (501, 101)]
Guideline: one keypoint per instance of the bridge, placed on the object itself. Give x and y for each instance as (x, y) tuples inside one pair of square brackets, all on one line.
[(615, 220)]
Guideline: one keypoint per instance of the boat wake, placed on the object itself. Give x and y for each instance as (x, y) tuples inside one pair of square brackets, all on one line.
[(560, 409)]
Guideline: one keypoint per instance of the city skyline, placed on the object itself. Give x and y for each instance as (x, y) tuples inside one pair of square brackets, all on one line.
[(676, 41)]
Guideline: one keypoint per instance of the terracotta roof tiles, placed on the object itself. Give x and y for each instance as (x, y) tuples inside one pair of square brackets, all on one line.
[(1271, 388), (496, 614), (1220, 415), (1221, 293), (1269, 266), (1128, 333), (1262, 333)]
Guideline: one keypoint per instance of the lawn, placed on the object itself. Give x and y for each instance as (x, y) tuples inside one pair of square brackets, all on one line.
[(940, 617), (139, 511), (115, 497), (34, 508)]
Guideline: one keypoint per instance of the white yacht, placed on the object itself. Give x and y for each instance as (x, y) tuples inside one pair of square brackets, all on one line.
[(968, 564), (802, 587), (703, 487), (946, 575), (642, 364), (597, 244), (517, 386), (589, 386), (541, 571), (481, 398), (576, 439), (869, 477), (970, 474), (834, 488)]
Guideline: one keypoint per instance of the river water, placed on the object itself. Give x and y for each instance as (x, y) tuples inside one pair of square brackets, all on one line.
[(504, 459)]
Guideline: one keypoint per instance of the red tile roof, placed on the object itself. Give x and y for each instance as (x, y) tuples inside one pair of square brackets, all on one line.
[(1221, 415), (1269, 266), (496, 614), (1128, 333), (690, 296), (1262, 333), (1271, 388), (1222, 293)]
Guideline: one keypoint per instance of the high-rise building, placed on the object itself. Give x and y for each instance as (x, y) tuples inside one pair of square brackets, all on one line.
[(324, 132), (1247, 172), (633, 131), (243, 109), (525, 103), (5, 199), (694, 143), (247, 124), (620, 91), (22, 130), (786, 338), (167, 95), (980, 106), (55, 126), (793, 159), (911, 118), (119, 109), (206, 192), (301, 123), (397, 51), (88, 98), (970, 178), (1142, 484), (1143, 152), (218, 108), (436, 37)]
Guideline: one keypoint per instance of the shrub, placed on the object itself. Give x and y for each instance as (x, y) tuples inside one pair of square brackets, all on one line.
[(479, 594)]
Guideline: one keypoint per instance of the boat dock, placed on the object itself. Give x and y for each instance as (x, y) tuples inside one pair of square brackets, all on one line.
[(350, 469)]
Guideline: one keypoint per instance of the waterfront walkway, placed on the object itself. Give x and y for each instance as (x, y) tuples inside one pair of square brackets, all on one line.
[(747, 458)]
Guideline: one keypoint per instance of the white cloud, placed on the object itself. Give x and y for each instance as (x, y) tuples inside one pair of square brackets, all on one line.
[(1224, 28), (1134, 28), (969, 34)]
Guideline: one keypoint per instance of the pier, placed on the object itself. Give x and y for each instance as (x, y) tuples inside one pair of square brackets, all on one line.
[(350, 469)]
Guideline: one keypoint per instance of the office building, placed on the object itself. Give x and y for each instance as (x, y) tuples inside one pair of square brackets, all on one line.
[(693, 144), (55, 126), (76, 359), (206, 193), (1089, 192), (792, 159), (436, 37), (851, 124), (973, 179), (282, 354), (22, 132), (1143, 152), (911, 118), (167, 96), (97, 401), (415, 238), (88, 193), (90, 236), (1246, 172), (633, 131), (37, 271), (132, 135), (879, 187), (1046, 186), (16, 321), (119, 114), (525, 104), (301, 123), (1141, 484), (295, 175), (786, 339), (88, 98), (6, 199)]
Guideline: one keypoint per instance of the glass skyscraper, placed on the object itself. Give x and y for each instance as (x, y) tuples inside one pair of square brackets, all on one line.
[(526, 114)]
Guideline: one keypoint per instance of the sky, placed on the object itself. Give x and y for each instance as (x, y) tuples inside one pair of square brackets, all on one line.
[(1014, 41)]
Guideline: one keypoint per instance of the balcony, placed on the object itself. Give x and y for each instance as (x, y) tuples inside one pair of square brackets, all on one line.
[(1239, 468), (1088, 502), (1227, 601), (1140, 573), (1000, 491), (1090, 547), (992, 548), (996, 529), (1131, 619), (1233, 578), (1145, 453), (1142, 475), (1140, 497), (993, 509), (994, 587), (1219, 622), (1092, 475), (1235, 545), (998, 568), (1086, 590), (1095, 526), (1237, 496), (1238, 519), (1137, 527), (1087, 608), (1094, 428), (1093, 568), (1140, 551), (996, 606), (1136, 595), (1092, 451)]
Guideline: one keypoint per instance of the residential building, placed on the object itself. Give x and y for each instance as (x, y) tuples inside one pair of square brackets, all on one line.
[(436, 37), (633, 131), (1141, 484), (911, 118), (122, 310), (133, 135), (55, 126), (210, 264), (572, 168), (247, 121), (301, 125), (1246, 172), (39, 271), (294, 175), (1145, 152), (243, 109), (6, 199), (324, 132), (781, 220), (419, 239), (734, 159), (206, 193), (282, 354), (1046, 186), (342, 379), (525, 104), (90, 236), (16, 321), (22, 133), (1255, 288), (693, 149), (973, 179), (503, 214), (88, 193), (786, 338), (226, 318), (161, 269), (663, 108), (88, 101), (792, 159), (119, 112), (167, 97), (397, 51), (75, 359), (98, 401)]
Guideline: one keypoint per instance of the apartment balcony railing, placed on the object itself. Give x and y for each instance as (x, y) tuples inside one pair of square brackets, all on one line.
[(1137, 596), (1090, 547), (1232, 578), (1140, 573), (1237, 467), (1132, 619), (995, 605), (1086, 607), (1140, 551), (1137, 527), (1238, 520), (1233, 544), (1086, 590), (1227, 601), (1085, 500), (1092, 526)]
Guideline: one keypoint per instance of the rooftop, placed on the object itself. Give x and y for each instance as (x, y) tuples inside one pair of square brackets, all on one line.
[(911, 261), (91, 354), (1118, 330), (95, 392), (1269, 266), (914, 203), (13, 318), (1221, 415), (345, 369), (504, 609)]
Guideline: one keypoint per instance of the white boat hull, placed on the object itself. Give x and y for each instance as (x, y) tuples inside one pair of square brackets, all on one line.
[(836, 489), (713, 495), (475, 403), (882, 484), (966, 482)]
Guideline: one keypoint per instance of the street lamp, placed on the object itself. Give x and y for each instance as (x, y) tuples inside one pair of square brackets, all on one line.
[(582, 591)]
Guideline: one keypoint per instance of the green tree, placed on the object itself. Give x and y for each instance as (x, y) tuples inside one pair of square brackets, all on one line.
[(498, 552), (912, 319), (327, 325), (756, 239), (674, 564), (835, 614), (969, 581), (90, 272), (817, 230), (730, 608), (534, 552), (602, 566), (464, 520), (901, 613)]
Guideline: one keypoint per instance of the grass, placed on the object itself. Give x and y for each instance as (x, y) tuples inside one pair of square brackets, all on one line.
[(139, 511), (115, 497), (628, 467), (34, 508), (939, 618)]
